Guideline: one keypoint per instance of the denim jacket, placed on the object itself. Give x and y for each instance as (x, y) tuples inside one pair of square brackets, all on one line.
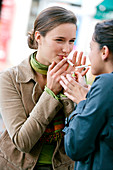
[(89, 132)]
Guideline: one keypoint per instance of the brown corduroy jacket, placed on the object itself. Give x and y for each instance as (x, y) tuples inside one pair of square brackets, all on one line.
[(26, 111)]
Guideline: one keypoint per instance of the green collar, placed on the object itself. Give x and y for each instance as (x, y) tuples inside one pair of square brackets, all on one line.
[(38, 67)]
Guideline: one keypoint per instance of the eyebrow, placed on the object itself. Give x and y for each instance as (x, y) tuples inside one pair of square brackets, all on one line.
[(64, 38)]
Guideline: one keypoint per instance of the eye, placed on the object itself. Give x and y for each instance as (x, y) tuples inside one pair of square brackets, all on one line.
[(59, 40), (72, 41)]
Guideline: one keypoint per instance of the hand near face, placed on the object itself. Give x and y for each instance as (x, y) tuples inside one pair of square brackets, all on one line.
[(53, 75), (81, 61), (55, 72), (76, 91)]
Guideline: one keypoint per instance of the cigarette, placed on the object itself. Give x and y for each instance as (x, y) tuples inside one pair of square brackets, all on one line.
[(87, 65), (70, 62)]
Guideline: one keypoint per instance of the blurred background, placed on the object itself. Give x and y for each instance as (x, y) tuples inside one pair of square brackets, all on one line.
[(17, 18)]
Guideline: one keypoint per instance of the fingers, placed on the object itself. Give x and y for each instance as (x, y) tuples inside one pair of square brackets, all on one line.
[(70, 96), (62, 83), (56, 70), (67, 82), (71, 80), (80, 58), (69, 89), (85, 71), (60, 67), (82, 63), (74, 57), (84, 60)]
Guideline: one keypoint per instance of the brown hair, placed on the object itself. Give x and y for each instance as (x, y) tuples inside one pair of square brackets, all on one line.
[(47, 20)]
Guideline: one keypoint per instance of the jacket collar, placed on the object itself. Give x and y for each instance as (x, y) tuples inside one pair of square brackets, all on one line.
[(24, 71)]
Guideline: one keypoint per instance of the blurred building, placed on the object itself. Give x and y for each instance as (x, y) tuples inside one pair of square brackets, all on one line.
[(104, 10)]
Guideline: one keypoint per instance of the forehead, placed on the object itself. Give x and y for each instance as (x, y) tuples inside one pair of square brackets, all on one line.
[(93, 43), (63, 30)]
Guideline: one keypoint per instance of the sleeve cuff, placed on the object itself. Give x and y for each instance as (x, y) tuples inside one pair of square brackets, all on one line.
[(50, 92)]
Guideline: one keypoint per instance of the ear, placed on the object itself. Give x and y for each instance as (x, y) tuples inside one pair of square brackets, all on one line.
[(37, 36), (105, 52)]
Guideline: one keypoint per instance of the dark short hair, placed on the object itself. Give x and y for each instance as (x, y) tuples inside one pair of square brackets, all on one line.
[(103, 34), (48, 19)]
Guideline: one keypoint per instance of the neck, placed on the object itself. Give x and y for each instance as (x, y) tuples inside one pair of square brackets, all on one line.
[(40, 59), (108, 67), (37, 66)]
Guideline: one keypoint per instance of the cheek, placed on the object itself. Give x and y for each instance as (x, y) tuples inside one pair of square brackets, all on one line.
[(92, 55), (54, 50), (71, 47), (90, 58), (51, 47), (57, 47), (95, 67)]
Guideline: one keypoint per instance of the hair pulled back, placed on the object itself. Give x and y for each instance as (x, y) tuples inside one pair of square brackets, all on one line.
[(47, 20), (103, 34)]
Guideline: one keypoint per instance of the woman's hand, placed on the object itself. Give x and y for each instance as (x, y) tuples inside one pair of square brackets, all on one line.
[(73, 89), (81, 61), (62, 68), (54, 74)]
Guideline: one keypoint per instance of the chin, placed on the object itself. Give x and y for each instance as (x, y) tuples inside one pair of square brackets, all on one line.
[(95, 73)]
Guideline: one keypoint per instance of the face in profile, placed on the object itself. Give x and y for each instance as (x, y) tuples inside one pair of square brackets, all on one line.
[(57, 43), (95, 57)]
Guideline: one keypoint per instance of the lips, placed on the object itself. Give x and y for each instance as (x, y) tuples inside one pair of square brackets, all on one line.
[(62, 56)]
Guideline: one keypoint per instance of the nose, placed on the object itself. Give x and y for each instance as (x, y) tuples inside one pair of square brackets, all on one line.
[(67, 48)]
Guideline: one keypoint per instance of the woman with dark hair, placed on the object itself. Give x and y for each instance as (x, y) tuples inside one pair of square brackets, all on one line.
[(89, 130), (33, 107)]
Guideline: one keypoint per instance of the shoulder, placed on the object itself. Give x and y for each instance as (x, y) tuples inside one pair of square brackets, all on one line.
[(103, 84), (6, 74), (20, 73), (104, 79)]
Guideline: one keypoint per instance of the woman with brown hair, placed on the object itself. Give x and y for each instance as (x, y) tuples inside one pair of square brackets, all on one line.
[(31, 100)]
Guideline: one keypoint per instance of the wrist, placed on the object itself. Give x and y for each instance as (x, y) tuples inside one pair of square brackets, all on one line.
[(49, 91)]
